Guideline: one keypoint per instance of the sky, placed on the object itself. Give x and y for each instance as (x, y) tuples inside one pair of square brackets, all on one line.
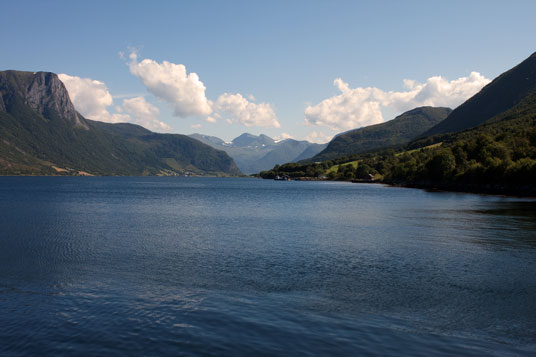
[(299, 69)]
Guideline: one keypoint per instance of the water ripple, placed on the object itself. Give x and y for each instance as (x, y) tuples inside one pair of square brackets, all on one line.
[(167, 266)]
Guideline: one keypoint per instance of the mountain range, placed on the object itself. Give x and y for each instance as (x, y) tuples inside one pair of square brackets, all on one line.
[(41, 133), (254, 153)]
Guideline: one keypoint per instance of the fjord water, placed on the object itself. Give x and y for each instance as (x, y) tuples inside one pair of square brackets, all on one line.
[(189, 266)]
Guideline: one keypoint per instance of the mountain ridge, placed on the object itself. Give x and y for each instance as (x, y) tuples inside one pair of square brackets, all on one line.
[(254, 153), (400, 130), (43, 134), (504, 92)]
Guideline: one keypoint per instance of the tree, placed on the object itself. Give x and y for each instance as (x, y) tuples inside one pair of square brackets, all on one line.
[(442, 165), (362, 171)]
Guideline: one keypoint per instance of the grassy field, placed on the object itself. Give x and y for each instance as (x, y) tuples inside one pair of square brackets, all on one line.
[(335, 168)]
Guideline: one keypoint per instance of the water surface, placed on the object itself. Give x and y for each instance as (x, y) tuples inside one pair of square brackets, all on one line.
[(189, 266)]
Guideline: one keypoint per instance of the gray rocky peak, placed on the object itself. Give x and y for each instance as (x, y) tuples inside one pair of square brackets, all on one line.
[(46, 92)]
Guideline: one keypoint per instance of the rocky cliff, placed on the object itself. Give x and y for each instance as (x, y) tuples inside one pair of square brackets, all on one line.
[(43, 92)]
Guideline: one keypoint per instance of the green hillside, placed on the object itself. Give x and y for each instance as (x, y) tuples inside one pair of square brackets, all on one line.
[(497, 156), (42, 134), (400, 130)]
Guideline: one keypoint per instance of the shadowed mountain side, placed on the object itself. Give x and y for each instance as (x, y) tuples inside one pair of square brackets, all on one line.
[(311, 151), (256, 153), (504, 92), (288, 150), (398, 131)]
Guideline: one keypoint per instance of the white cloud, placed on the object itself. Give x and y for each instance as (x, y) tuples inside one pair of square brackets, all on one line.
[(358, 107), (186, 94), (170, 82), (196, 126), (319, 138), (283, 136), (91, 98), (144, 113), (438, 91), (239, 109)]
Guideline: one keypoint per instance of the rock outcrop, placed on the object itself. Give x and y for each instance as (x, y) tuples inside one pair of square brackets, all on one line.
[(43, 92), (47, 93)]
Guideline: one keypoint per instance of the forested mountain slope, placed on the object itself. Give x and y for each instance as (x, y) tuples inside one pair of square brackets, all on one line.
[(41, 133)]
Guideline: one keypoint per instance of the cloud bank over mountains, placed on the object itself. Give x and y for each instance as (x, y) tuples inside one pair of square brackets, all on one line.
[(358, 107), (239, 109), (91, 98), (185, 93), (170, 82), (145, 113)]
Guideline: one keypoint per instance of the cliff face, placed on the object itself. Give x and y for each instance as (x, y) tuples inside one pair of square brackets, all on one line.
[(47, 93), (43, 92)]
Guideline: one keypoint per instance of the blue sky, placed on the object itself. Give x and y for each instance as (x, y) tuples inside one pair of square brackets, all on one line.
[(304, 69)]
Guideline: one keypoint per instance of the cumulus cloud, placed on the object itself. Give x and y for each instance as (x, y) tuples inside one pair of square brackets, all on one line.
[(170, 82), (238, 109), (318, 137), (144, 113), (357, 107), (91, 98), (186, 94), (283, 136)]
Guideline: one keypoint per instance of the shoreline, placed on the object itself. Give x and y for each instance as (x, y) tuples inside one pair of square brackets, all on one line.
[(492, 190), (488, 189)]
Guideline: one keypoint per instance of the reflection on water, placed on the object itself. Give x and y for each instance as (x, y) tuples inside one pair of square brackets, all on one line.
[(523, 210), (226, 266), (513, 223)]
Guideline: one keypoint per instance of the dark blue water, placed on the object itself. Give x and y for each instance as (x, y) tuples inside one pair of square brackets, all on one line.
[(190, 266)]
